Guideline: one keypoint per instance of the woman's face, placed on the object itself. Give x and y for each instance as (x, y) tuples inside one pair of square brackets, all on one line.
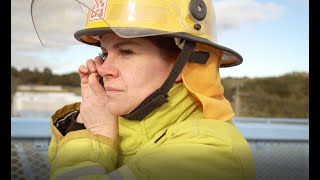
[(131, 71)]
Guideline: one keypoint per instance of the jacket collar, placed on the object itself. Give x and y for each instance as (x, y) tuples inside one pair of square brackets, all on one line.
[(181, 105)]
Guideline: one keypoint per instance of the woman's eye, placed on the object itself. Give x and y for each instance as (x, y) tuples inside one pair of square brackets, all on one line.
[(126, 52), (103, 55)]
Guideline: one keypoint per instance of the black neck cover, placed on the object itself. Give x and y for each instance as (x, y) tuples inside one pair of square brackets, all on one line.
[(159, 97)]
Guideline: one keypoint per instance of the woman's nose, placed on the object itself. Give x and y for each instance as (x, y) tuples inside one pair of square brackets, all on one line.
[(109, 68)]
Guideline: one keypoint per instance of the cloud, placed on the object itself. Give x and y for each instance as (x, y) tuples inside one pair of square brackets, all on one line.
[(49, 17), (23, 36), (232, 14), (27, 50), (21, 61), (58, 62)]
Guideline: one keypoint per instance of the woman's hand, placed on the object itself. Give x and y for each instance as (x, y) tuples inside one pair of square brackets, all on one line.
[(93, 110)]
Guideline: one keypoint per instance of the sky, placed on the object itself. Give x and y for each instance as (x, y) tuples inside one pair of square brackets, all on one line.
[(272, 36)]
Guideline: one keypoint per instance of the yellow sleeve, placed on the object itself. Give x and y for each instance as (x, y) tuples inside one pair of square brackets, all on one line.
[(79, 153)]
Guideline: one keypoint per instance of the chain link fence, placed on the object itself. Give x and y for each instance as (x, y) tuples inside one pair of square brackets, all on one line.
[(284, 157), (29, 160), (285, 160)]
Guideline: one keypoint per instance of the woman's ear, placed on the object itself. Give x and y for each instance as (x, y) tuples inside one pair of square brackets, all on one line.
[(179, 78)]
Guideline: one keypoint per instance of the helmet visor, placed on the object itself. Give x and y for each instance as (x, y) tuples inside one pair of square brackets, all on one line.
[(56, 21)]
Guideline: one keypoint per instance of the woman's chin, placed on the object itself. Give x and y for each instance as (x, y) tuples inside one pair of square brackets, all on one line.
[(118, 111), (121, 109)]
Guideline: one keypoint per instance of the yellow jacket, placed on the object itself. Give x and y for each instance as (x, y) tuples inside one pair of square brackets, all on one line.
[(173, 142)]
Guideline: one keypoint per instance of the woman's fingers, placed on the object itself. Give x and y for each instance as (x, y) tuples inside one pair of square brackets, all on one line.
[(98, 61), (91, 66), (90, 78), (83, 72), (95, 85)]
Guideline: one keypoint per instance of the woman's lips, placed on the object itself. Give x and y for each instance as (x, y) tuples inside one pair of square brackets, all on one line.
[(112, 90)]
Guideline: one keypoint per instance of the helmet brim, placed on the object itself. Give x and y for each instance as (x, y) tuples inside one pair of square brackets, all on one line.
[(229, 57)]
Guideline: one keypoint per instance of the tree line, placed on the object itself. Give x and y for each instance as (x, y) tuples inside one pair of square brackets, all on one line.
[(285, 96), (46, 77)]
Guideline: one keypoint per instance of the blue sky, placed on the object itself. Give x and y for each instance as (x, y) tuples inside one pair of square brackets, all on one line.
[(274, 47), (271, 36)]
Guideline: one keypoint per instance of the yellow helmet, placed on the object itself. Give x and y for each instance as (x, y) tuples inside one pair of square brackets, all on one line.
[(191, 23), (186, 19)]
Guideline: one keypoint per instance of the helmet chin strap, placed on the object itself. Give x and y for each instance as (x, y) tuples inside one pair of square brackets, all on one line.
[(159, 97)]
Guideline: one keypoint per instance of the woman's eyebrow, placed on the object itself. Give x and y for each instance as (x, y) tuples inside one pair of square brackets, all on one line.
[(122, 43), (125, 42)]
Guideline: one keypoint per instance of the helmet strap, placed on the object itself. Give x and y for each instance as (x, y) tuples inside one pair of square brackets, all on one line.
[(159, 97)]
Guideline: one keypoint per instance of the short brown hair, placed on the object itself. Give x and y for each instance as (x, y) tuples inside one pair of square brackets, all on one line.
[(167, 45)]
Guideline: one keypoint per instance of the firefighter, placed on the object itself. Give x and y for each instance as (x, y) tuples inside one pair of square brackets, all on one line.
[(153, 105)]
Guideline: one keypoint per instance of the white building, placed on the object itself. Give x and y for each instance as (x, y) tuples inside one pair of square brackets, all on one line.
[(40, 104)]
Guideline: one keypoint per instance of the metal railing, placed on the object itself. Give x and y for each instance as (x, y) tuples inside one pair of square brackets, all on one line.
[(280, 147)]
